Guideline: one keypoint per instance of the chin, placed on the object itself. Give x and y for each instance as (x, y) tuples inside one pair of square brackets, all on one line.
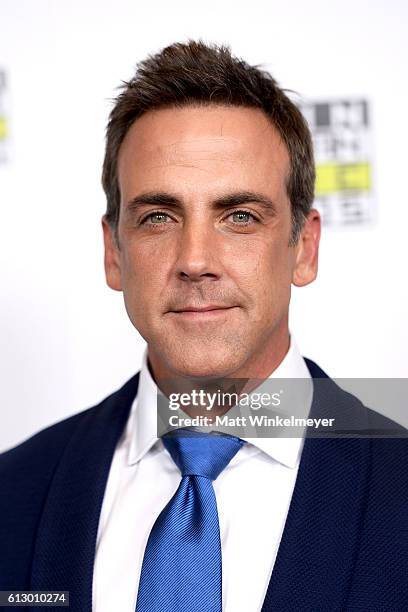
[(209, 363)]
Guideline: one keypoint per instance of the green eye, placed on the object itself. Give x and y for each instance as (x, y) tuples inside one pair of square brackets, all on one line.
[(156, 218), (242, 217)]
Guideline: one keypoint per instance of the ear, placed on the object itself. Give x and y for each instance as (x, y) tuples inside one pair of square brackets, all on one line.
[(307, 250), (112, 257)]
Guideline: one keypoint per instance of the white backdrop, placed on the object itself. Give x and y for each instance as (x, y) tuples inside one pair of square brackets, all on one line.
[(66, 339)]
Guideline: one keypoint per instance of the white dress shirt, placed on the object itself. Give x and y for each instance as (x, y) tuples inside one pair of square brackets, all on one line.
[(253, 496)]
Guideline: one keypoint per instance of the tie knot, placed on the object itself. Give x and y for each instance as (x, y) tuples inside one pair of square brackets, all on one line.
[(201, 454)]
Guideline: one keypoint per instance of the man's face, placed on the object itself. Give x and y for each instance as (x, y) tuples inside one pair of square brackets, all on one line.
[(204, 260)]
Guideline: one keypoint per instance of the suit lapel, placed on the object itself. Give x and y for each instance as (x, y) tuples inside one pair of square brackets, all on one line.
[(65, 546), (315, 561)]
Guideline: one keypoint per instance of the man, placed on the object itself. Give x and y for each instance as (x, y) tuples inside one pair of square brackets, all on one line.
[(209, 178)]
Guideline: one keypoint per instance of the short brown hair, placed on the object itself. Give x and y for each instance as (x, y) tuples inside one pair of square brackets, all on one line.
[(195, 73)]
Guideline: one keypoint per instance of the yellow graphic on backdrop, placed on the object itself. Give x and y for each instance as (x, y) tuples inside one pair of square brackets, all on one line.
[(335, 177), (3, 128)]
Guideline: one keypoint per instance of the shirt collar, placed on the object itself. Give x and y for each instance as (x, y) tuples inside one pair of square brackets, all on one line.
[(141, 430)]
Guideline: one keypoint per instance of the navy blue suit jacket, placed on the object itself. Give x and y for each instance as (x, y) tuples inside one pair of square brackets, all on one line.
[(345, 541)]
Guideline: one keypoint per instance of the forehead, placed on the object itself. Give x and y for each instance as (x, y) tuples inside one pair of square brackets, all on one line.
[(215, 143)]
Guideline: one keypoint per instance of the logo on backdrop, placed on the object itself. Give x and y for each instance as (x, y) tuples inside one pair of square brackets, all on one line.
[(3, 118), (342, 137)]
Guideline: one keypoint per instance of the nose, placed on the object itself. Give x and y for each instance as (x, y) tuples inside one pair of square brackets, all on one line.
[(197, 253)]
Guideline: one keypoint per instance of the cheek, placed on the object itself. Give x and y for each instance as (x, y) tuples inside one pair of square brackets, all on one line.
[(262, 264), (263, 272), (142, 279)]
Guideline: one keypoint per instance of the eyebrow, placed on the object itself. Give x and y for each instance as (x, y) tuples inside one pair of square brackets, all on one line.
[(228, 201)]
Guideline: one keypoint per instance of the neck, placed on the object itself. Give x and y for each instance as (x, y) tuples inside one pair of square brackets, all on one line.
[(243, 380)]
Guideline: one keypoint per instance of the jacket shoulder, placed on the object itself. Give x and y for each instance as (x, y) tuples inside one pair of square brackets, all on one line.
[(45, 446), (42, 447), (354, 412), (29, 465)]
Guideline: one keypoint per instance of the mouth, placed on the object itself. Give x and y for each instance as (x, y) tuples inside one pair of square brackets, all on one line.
[(211, 311)]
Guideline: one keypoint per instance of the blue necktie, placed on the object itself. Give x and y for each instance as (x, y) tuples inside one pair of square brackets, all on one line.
[(181, 569)]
